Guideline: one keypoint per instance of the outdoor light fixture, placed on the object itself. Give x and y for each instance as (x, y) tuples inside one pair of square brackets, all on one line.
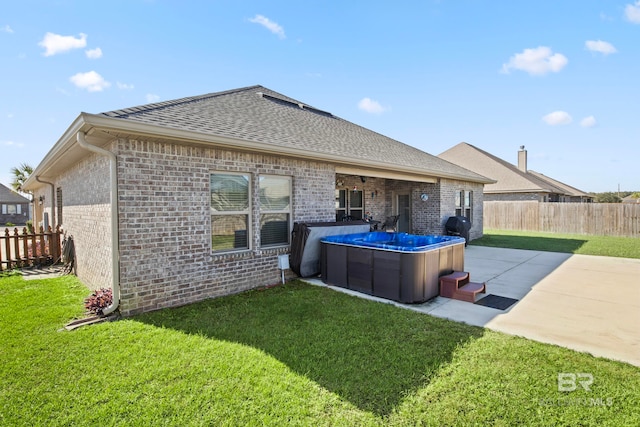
[(363, 179), (40, 200)]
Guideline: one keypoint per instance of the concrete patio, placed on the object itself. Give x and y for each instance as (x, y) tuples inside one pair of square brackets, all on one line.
[(583, 302)]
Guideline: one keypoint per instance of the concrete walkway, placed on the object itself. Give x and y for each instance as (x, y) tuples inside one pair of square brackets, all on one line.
[(583, 302)]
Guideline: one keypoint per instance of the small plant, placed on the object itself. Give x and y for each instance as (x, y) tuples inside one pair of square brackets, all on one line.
[(10, 273), (10, 224), (98, 301), (30, 227)]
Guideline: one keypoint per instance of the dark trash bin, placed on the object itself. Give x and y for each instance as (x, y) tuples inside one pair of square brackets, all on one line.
[(458, 226)]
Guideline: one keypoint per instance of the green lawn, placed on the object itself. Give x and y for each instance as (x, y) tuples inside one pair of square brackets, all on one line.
[(624, 247), (290, 355)]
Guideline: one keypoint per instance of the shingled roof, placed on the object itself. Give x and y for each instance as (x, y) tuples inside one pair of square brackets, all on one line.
[(276, 121), (509, 178), (7, 195)]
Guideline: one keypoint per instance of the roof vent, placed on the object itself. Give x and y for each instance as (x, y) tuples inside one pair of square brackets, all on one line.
[(294, 104)]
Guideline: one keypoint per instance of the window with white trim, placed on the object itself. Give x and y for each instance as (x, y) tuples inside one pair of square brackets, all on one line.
[(275, 210), (230, 211), (464, 203)]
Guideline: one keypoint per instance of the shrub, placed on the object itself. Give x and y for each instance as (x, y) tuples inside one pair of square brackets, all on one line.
[(30, 227), (98, 301), (10, 224)]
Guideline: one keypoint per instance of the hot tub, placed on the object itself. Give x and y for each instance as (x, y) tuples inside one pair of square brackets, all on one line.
[(398, 266)]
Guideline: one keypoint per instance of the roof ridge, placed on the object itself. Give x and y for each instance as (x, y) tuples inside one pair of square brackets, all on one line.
[(173, 102)]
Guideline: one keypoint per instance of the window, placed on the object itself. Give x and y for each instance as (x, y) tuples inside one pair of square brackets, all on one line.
[(349, 204), (230, 207), (4, 209), (275, 210), (464, 203), (11, 209)]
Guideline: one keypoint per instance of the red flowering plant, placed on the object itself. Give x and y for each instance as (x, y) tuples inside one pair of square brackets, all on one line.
[(98, 301)]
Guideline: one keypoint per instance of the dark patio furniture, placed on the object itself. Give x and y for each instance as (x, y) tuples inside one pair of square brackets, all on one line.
[(391, 223)]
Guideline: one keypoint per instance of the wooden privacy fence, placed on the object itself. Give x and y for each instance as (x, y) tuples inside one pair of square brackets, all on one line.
[(608, 219), (24, 249)]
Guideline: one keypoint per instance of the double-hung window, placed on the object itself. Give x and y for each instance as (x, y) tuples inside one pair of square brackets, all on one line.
[(230, 211), (275, 210), (464, 203)]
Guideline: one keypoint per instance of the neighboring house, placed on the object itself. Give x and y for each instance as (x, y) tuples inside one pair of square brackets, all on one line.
[(632, 198), (177, 201), (512, 182), (14, 207)]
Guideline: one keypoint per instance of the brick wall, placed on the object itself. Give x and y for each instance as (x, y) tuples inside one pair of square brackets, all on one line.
[(166, 257), (87, 217), (426, 215), (448, 188)]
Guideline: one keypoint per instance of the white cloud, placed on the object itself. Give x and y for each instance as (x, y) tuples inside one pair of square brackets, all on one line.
[(557, 118), (632, 12), (600, 46), (269, 25), (94, 53), (371, 106), (12, 144), (55, 43), (588, 122), (124, 86), (151, 97), (7, 29), (91, 81), (538, 61)]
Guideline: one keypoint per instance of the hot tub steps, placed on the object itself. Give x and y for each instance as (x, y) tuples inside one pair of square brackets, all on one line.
[(457, 285)]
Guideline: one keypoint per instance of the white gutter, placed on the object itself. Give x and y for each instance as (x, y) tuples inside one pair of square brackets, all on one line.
[(53, 202), (115, 229)]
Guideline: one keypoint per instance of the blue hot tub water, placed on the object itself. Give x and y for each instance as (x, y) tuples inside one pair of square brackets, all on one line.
[(402, 242)]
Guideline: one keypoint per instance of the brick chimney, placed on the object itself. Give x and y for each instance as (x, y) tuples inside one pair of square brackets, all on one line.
[(522, 159)]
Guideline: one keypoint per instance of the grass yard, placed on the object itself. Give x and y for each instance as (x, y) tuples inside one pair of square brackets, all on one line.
[(623, 247), (289, 355)]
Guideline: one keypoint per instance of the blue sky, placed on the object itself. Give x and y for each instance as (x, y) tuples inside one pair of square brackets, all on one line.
[(559, 77)]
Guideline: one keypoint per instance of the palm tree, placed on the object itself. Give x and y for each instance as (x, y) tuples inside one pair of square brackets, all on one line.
[(20, 175)]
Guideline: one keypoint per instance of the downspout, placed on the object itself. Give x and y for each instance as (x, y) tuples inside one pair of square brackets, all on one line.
[(115, 229), (53, 201)]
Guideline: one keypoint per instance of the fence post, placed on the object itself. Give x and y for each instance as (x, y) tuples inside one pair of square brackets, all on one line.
[(7, 246), (42, 246), (16, 247)]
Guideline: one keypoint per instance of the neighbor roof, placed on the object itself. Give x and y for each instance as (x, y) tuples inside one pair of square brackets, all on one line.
[(509, 178), (7, 195), (255, 119)]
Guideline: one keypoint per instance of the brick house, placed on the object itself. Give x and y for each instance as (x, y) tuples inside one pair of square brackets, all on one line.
[(14, 208), (177, 201), (512, 183)]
